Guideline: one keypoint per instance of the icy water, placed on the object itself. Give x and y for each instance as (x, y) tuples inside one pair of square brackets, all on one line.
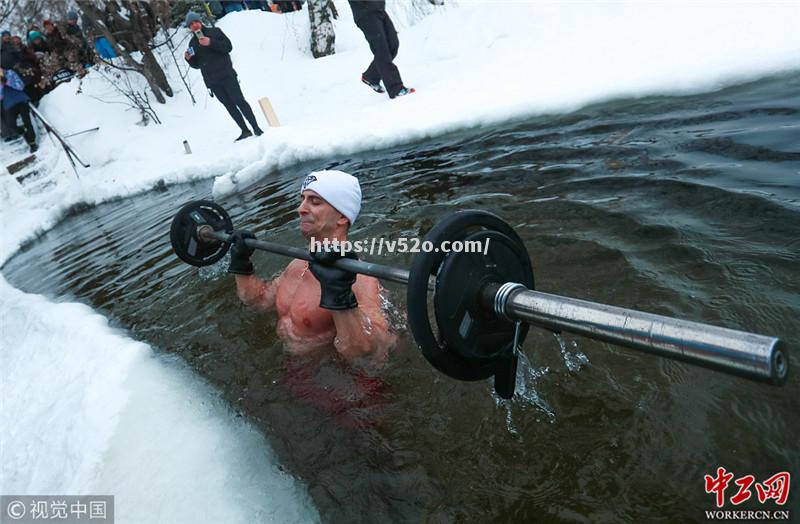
[(684, 206)]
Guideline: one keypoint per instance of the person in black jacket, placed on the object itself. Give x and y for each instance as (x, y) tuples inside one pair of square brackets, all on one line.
[(10, 55), (55, 40), (74, 33), (30, 70), (210, 53), (370, 16)]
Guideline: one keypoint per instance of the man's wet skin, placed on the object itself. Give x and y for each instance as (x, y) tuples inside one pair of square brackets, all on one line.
[(319, 306)]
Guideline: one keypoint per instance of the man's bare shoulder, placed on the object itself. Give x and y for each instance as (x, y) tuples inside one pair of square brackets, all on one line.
[(295, 268)]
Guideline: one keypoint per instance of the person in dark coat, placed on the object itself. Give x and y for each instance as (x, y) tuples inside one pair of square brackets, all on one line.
[(370, 16), (74, 32), (55, 40), (15, 104), (30, 71), (10, 54), (210, 53), (72, 28)]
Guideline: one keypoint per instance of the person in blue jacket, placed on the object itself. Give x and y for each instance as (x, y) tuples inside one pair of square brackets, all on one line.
[(104, 48), (15, 104)]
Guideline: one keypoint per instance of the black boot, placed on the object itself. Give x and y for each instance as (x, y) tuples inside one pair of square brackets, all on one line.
[(257, 130), (375, 86), (245, 134)]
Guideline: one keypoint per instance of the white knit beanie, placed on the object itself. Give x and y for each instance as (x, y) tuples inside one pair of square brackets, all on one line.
[(339, 189)]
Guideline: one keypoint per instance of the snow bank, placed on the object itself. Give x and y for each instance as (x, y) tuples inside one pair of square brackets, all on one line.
[(87, 410)]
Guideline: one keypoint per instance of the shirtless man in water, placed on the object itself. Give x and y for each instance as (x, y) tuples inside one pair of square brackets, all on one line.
[(319, 305)]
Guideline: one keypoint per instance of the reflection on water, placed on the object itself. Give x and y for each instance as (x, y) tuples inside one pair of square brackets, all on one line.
[(687, 206)]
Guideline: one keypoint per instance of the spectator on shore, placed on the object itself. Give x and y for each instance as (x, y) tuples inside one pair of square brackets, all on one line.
[(53, 61), (75, 33), (287, 6), (370, 16), (104, 48), (67, 52), (37, 42), (73, 29), (261, 5), (55, 40), (26, 63), (216, 8), (209, 51), (32, 77), (29, 70), (15, 104), (10, 55)]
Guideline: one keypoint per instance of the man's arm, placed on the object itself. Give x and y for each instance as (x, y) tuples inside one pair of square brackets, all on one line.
[(192, 59), (363, 331), (257, 293), (251, 290), (220, 42)]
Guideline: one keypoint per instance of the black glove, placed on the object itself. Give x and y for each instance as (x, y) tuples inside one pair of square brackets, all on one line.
[(240, 253), (335, 284)]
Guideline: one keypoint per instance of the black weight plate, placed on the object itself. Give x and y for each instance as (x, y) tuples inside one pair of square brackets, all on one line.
[(470, 331), (446, 359), (183, 232)]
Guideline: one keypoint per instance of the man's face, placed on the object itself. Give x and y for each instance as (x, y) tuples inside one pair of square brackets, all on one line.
[(6, 38), (318, 218), (195, 26), (72, 21), (49, 28)]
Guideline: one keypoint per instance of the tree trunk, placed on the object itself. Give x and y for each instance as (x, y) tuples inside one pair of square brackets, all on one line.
[(143, 26), (154, 71), (150, 69), (323, 39)]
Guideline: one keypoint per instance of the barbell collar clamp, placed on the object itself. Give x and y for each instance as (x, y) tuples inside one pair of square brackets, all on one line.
[(206, 233), (501, 298)]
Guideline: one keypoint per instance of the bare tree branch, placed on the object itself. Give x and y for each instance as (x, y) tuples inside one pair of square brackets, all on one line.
[(138, 27), (6, 8)]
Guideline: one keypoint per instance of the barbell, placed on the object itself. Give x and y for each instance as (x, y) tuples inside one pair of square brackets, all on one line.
[(483, 303)]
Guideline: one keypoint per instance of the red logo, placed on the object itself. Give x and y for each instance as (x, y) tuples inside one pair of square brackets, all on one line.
[(774, 488)]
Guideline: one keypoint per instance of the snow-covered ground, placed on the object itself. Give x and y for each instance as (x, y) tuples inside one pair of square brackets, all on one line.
[(86, 409)]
